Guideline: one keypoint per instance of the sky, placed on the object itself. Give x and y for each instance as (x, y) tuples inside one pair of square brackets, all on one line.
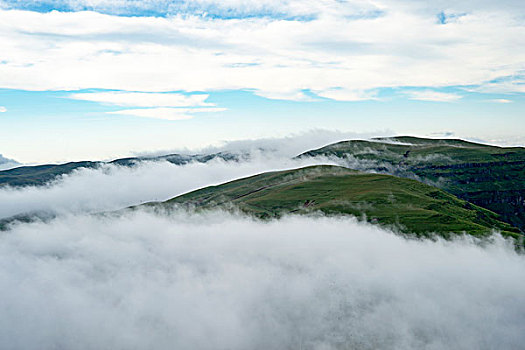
[(98, 79)]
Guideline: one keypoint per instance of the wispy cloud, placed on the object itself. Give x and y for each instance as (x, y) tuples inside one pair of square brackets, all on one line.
[(166, 113), (341, 94), (6, 163), (500, 100), (143, 99), (434, 96), (442, 134), (167, 106), (3, 109)]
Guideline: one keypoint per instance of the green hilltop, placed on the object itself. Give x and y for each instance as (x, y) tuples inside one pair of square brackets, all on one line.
[(488, 176), (399, 203)]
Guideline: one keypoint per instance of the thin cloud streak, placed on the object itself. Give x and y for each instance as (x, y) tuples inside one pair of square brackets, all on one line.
[(143, 99), (166, 113), (433, 96), (500, 100)]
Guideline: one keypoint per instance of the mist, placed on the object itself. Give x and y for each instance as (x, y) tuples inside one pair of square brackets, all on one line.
[(223, 281), (112, 187), (6, 163), (284, 147)]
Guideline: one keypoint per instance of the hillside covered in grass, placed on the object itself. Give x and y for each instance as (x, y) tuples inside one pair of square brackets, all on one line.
[(489, 176), (398, 203)]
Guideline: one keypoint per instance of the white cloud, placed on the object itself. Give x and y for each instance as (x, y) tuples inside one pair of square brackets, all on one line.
[(510, 84), (289, 146), (216, 281), (6, 163), (167, 105), (141, 99), (3, 109), (342, 45), (166, 113), (435, 96), (340, 94), (500, 100), (285, 94)]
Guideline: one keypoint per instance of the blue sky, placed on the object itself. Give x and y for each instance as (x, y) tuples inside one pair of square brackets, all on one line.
[(104, 79)]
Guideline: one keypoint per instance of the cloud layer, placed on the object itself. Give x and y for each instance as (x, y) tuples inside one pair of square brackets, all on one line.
[(6, 163), (218, 281), (340, 50), (114, 187)]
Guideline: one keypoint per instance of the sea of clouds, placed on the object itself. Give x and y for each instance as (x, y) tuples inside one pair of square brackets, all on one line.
[(221, 281)]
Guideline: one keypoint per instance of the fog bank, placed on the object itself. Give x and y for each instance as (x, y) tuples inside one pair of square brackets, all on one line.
[(112, 187), (217, 281), (6, 163)]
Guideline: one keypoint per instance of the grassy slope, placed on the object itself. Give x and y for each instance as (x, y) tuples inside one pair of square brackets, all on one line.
[(489, 176), (405, 204)]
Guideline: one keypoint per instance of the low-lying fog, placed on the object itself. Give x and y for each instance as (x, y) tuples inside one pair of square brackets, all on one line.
[(113, 187), (219, 281)]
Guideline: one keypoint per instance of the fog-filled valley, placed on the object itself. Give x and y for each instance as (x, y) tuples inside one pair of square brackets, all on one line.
[(216, 280)]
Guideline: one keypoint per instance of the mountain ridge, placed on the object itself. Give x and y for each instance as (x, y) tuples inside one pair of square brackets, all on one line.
[(489, 176), (397, 203), (38, 175)]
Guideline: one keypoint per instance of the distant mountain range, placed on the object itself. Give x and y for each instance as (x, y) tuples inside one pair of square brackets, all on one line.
[(411, 184), (39, 175)]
